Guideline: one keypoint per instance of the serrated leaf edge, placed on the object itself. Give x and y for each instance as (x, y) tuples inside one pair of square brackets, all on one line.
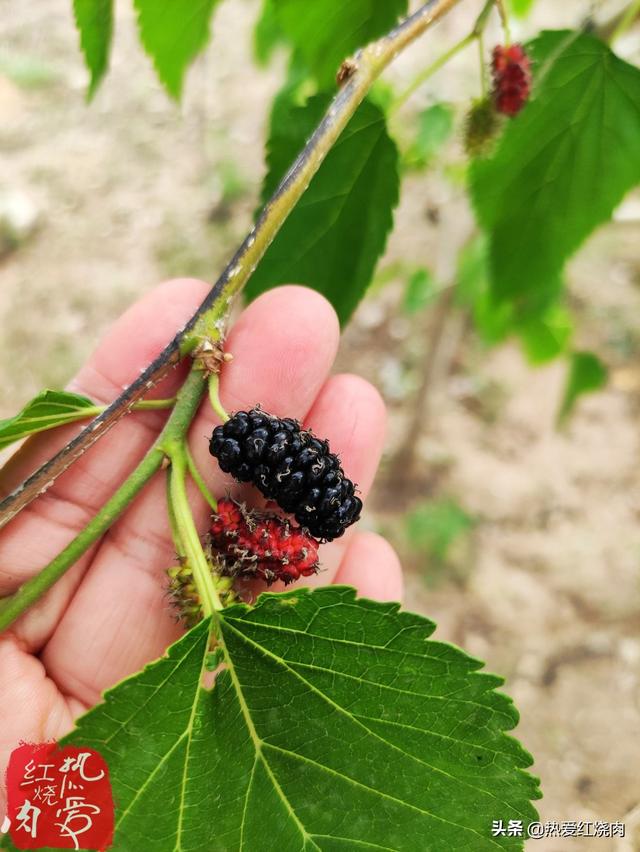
[(391, 608)]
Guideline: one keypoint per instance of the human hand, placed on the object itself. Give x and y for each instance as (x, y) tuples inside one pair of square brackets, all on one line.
[(110, 614)]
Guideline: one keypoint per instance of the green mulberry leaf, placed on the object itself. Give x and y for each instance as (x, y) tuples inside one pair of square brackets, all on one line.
[(173, 33), (420, 291), (361, 731), (336, 723), (587, 374), (154, 730), (560, 168), (267, 34), (94, 19), (50, 408), (335, 235), (435, 125), (547, 336)]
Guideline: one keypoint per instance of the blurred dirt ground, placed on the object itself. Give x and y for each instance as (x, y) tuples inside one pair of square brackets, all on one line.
[(114, 197)]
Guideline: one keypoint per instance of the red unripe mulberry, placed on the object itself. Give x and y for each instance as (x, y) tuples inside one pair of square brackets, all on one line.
[(511, 68), (257, 544)]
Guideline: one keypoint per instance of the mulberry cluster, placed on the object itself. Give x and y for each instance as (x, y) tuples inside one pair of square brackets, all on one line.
[(291, 466), (249, 543), (511, 69)]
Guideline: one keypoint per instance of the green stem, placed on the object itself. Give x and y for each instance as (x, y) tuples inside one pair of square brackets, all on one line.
[(199, 481), (504, 20), (96, 410), (214, 397), (186, 528), (483, 70), (152, 404), (173, 523), (430, 70), (175, 428), (627, 19), (28, 593), (483, 17)]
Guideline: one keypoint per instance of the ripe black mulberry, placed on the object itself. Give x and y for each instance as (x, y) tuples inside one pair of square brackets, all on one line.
[(290, 465)]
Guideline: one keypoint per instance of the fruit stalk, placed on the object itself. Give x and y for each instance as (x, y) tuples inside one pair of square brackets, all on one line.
[(428, 72), (186, 531)]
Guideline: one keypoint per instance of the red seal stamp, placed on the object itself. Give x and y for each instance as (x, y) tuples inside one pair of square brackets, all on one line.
[(58, 797)]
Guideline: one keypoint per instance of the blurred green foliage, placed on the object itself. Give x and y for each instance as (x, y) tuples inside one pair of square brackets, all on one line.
[(521, 8), (433, 527), (28, 72), (420, 291), (435, 126), (267, 34), (492, 321), (587, 373), (560, 168), (546, 337)]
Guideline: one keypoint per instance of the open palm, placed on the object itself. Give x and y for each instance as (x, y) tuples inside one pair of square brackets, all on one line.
[(110, 614)]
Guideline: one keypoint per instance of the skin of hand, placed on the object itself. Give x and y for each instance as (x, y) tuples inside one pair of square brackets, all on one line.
[(110, 614)]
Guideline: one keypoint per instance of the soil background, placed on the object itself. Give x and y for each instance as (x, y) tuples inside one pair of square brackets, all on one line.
[(115, 196)]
